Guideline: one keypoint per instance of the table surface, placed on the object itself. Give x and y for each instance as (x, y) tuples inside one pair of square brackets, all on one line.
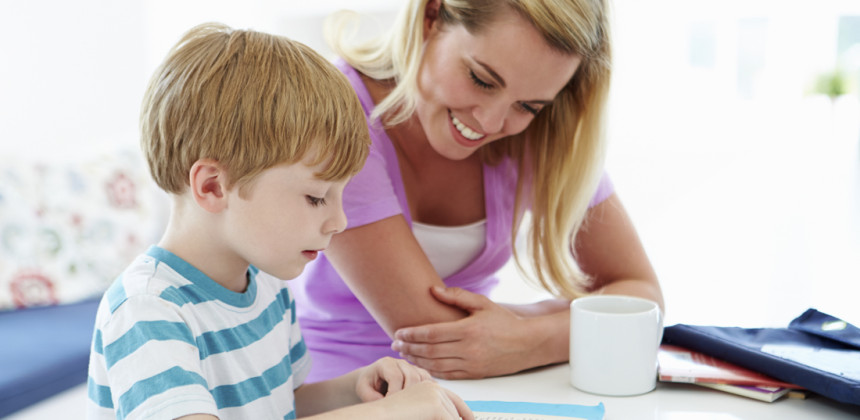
[(669, 401), (551, 385)]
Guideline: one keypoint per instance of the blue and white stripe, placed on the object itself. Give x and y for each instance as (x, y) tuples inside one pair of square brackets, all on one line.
[(169, 341)]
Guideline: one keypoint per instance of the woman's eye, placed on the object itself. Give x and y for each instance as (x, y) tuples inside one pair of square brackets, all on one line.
[(528, 108), (315, 201), (478, 82)]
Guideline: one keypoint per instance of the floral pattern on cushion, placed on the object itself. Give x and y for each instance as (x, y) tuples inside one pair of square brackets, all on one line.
[(68, 229)]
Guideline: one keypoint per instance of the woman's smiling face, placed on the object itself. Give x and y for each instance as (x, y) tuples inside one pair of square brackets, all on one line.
[(474, 89)]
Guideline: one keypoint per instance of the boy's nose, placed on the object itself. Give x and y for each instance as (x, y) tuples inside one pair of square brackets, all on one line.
[(337, 222)]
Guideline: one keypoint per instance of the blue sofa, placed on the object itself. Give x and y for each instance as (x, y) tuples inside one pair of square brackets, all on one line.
[(45, 351), (68, 226)]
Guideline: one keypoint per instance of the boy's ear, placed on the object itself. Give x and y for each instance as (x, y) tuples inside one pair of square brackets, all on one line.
[(431, 16), (208, 184)]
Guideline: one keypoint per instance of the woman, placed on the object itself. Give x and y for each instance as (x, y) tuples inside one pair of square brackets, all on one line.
[(479, 111)]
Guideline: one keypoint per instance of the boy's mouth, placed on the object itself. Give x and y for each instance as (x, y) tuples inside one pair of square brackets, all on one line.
[(311, 255)]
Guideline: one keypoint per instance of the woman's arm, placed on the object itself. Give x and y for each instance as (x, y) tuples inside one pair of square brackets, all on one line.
[(544, 307), (609, 250), (456, 334), (387, 270), (491, 341), (385, 267)]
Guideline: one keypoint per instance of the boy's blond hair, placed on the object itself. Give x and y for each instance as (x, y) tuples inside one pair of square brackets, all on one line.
[(250, 101)]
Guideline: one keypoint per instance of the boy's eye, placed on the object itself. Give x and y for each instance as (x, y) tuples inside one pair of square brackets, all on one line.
[(315, 201), (478, 82)]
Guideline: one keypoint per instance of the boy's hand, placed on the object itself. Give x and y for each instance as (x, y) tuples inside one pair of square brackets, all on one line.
[(387, 376), (426, 400), (389, 388)]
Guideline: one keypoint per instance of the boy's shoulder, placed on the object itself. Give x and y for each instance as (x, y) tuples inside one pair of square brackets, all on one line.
[(146, 276)]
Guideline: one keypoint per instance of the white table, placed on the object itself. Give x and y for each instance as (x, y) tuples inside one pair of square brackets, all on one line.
[(668, 402), (551, 385)]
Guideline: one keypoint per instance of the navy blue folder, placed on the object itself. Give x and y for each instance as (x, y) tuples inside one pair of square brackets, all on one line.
[(817, 351)]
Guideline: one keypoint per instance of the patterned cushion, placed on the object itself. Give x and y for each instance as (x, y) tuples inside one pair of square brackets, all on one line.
[(68, 229)]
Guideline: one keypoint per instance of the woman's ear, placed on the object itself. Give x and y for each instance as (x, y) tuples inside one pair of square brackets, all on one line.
[(208, 184), (431, 15)]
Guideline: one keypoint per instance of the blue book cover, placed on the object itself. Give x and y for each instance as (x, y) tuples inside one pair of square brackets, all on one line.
[(817, 351), (521, 410)]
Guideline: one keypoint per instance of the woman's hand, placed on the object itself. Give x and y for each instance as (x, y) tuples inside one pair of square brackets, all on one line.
[(490, 341), (387, 376)]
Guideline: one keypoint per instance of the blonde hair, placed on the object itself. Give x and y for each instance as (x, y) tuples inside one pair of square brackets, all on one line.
[(250, 101), (560, 155)]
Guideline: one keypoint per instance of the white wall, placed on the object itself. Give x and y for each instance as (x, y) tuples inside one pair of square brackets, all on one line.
[(73, 73), (745, 189)]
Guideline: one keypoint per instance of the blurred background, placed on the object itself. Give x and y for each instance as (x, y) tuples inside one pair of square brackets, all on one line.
[(734, 132), (734, 128)]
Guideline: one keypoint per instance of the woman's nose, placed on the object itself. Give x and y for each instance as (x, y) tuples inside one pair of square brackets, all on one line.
[(491, 116)]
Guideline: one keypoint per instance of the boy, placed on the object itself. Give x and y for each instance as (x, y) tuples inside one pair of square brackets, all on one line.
[(254, 136)]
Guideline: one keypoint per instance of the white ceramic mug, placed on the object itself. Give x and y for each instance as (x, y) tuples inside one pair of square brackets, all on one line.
[(613, 344)]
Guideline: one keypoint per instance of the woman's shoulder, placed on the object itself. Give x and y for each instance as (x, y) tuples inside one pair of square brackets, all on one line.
[(354, 78)]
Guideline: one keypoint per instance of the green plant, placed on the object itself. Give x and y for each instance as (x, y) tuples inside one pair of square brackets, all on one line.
[(833, 84)]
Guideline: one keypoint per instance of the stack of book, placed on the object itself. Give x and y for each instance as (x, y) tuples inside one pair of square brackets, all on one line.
[(818, 352), (678, 364)]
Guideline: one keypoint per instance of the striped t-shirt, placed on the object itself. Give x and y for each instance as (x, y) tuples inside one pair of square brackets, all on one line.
[(169, 341)]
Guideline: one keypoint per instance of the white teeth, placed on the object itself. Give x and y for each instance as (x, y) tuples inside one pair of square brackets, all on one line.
[(466, 131)]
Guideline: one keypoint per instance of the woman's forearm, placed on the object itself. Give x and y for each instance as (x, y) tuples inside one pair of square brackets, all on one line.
[(639, 288), (541, 308), (548, 321), (550, 338)]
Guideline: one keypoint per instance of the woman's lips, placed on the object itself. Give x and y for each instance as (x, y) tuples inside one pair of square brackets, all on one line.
[(458, 135), (465, 130)]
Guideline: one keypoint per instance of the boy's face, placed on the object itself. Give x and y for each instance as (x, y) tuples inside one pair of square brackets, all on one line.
[(285, 218)]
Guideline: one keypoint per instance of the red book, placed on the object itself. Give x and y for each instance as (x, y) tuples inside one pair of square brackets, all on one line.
[(678, 364)]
